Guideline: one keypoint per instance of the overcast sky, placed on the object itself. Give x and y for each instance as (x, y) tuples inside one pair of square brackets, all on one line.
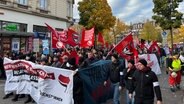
[(130, 10)]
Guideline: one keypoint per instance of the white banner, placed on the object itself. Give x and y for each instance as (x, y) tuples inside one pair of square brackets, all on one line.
[(152, 62), (46, 85)]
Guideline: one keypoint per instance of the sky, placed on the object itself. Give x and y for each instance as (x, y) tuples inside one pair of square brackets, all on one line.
[(129, 11)]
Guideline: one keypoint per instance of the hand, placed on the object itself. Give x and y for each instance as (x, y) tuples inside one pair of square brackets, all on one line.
[(159, 102), (120, 88), (74, 72), (105, 83), (130, 96), (128, 70)]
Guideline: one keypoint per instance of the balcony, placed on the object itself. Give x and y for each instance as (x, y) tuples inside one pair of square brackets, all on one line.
[(3, 2)]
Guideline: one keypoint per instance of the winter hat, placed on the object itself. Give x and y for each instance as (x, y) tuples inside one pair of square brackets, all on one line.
[(143, 61), (131, 61), (72, 61), (115, 56)]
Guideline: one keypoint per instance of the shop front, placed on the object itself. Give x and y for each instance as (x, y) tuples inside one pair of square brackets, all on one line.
[(15, 38)]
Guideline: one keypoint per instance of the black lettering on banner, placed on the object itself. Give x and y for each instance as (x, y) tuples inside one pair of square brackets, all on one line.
[(19, 72), (34, 78), (50, 96)]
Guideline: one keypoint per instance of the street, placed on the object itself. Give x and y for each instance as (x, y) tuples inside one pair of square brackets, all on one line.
[(167, 95)]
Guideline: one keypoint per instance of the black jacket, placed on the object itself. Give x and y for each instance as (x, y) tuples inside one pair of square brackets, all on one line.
[(128, 76), (115, 73), (144, 84)]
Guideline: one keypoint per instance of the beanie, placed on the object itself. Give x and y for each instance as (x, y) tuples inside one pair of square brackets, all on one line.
[(72, 61), (143, 61), (115, 56)]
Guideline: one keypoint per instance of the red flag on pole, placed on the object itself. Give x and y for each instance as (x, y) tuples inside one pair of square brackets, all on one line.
[(72, 38), (87, 38), (57, 37), (126, 48), (101, 39), (154, 46), (54, 36)]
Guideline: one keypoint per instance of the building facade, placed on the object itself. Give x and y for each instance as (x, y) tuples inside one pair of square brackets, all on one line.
[(23, 20)]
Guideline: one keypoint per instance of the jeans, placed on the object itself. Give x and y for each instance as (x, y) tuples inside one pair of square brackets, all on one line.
[(116, 96), (162, 61), (128, 100)]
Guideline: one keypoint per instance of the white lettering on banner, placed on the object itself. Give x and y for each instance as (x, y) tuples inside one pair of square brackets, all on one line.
[(41, 82), (152, 62), (89, 34)]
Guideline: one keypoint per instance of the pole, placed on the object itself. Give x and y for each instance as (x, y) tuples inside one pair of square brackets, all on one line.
[(171, 31)]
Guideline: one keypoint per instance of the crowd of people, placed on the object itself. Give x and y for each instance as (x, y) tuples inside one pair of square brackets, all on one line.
[(136, 77)]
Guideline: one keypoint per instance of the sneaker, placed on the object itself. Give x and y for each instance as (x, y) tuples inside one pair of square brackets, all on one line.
[(22, 96), (15, 98), (7, 95), (172, 89), (27, 101), (178, 86)]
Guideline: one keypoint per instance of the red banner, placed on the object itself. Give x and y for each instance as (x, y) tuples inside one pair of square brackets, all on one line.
[(87, 38), (72, 38), (101, 39)]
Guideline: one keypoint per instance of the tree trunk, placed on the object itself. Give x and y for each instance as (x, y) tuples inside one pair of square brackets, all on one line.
[(171, 31)]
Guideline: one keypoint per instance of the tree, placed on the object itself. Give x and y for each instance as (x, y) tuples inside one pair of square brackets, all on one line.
[(150, 32), (96, 13), (119, 28), (165, 11), (178, 36), (107, 36)]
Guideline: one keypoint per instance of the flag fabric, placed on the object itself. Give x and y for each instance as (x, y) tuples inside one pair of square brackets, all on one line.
[(126, 48), (87, 38), (72, 38), (101, 39), (154, 47), (54, 36)]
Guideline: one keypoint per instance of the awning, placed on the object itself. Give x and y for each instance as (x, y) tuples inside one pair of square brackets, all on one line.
[(12, 33)]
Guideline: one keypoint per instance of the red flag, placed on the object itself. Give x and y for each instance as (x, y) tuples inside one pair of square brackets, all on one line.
[(154, 46), (101, 39), (126, 43), (72, 38), (87, 38), (54, 36), (75, 55), (107, 44)]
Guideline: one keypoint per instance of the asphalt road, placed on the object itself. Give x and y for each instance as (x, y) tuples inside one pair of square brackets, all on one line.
[(167, 95)]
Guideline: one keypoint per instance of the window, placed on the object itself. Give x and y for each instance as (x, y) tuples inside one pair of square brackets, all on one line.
[(23, 2), (43, 4)]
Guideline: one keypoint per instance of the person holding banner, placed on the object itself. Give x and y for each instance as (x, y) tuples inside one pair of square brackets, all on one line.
[(145, 83), (56, 62), (78, 84), (116, 77)]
